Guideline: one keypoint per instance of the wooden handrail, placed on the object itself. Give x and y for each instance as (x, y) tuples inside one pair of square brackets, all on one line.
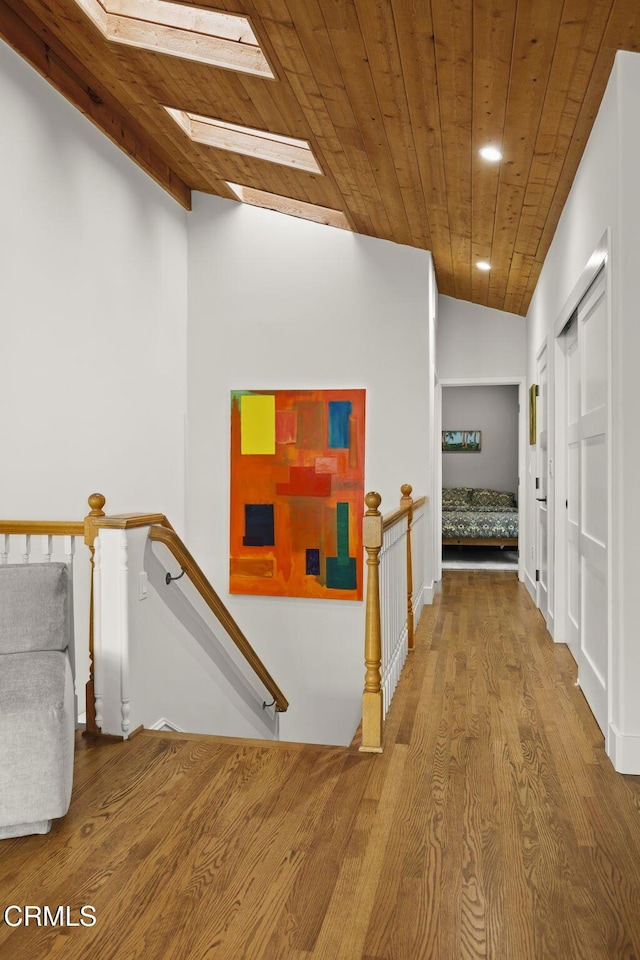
[(45, 528), (129, 521), (397, 515), (164, 533)]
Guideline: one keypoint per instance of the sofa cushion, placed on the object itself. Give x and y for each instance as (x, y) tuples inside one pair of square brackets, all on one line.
[(456, 498), (33, 607), (37, 737), (492, 499)]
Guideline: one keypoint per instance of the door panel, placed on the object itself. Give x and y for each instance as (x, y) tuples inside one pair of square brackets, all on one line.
[(594, 346), (595, 619), (595, 498), (574, 591)]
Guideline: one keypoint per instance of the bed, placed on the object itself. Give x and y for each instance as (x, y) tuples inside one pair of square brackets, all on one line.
[(479, 517)]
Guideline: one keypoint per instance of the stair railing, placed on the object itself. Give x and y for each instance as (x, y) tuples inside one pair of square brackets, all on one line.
[(27, 541), (395, 593)]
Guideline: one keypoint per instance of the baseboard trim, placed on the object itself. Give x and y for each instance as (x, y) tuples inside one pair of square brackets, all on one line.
[(531, 587), (551, 625), (623, 751), (164, 724), (428, 593)]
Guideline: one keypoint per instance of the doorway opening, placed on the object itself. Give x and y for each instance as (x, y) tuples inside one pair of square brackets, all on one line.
[(481, 465)]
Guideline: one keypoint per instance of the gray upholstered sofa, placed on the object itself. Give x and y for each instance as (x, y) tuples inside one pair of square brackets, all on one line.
[(37, 704)]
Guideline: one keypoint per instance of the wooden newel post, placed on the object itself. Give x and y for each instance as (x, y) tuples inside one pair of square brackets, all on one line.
[(406, 501), (372, 696), (96, 502)]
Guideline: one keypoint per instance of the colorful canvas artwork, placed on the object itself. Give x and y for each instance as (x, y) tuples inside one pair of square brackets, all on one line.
[(297, 493)]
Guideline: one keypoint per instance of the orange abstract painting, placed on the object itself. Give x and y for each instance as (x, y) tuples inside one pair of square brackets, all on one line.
[(297, 492)]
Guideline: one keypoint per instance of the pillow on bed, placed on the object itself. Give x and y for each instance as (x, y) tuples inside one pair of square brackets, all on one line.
[(487, 500), (456, 498)]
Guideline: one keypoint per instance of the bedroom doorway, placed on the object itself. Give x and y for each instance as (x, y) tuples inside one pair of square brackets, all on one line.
[(482, 461)]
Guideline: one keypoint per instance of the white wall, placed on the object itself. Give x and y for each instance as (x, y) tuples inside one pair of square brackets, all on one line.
[(277, 302), (93, 324), (605, 198), (164, 655), (479, 343), (93, 282), (494, 411)]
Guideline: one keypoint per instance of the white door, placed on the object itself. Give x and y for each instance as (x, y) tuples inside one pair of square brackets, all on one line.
[(586, 504), (542, 466), (572, 500)]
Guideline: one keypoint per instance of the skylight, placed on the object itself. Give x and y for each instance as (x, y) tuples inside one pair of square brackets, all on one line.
[(246, 140), (192, 33), (295, 208)]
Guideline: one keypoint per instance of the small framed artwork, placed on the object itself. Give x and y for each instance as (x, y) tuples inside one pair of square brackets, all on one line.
[(461, 441), (533, 393)]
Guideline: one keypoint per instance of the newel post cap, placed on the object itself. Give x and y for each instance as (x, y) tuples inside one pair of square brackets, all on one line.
[(96, 502), (373, 501)]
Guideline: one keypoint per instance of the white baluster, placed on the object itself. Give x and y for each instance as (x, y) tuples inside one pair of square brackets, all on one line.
[(26, 552), (5, 548), (69, 544), (47, 548)]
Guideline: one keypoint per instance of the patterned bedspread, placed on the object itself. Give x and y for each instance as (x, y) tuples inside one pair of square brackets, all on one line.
[(480, 525)]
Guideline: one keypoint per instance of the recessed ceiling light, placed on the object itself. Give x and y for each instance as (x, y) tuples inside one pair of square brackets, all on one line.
[(491, 153), (295, 208), (193, 33), (246, 140), (483, 265)]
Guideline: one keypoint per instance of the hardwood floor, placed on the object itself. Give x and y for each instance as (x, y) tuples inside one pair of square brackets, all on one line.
[(493, 826)]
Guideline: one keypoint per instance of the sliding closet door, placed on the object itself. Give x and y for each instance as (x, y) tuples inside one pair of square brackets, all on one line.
[(587, 496), (572, 504)]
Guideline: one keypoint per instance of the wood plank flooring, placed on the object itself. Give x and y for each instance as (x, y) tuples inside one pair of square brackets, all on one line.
[(493, 826)]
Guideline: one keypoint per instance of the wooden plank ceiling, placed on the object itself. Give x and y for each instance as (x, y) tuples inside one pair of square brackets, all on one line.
[(396, 97)]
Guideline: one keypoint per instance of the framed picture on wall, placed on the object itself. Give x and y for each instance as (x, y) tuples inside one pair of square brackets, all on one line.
[(461, 441), (533, 393)]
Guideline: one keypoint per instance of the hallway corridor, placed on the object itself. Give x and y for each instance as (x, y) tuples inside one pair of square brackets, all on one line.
[(493, 826)]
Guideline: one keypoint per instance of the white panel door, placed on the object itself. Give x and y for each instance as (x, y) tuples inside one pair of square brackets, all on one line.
[(592, 341), (542, 465), (587, 497), (572, 503)]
